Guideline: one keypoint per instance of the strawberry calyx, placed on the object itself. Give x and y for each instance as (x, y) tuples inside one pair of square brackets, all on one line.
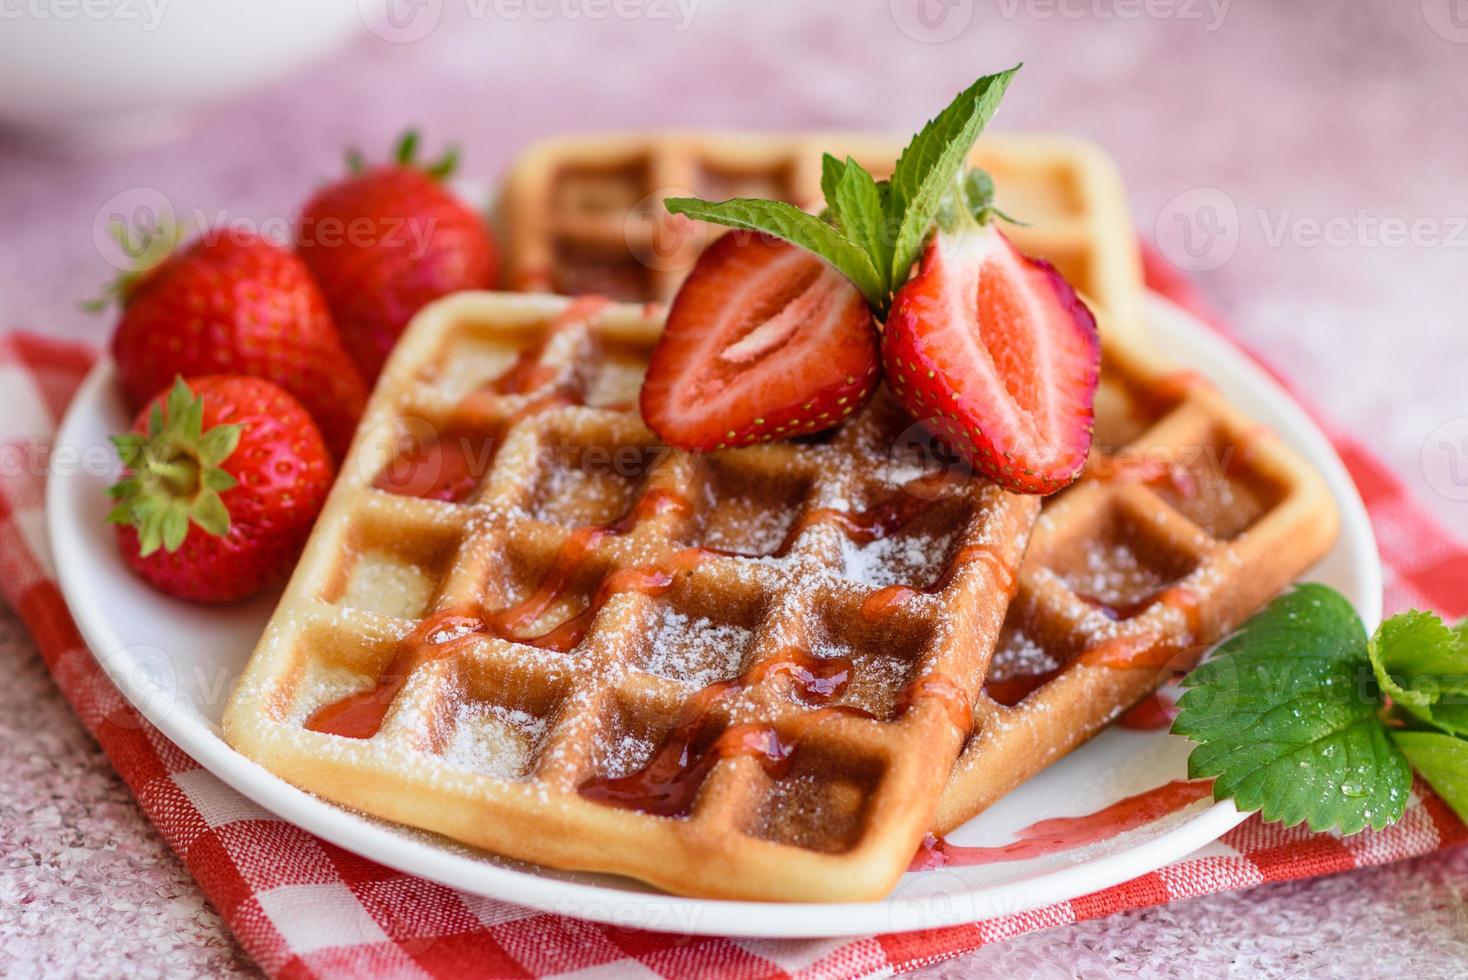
[(405, 154), (174, 477)]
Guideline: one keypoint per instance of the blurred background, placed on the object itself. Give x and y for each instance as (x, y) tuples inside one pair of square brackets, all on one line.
[(1303, 161)]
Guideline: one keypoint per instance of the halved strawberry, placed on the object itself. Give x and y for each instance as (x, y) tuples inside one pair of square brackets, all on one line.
[(994, 351), (764, 341)]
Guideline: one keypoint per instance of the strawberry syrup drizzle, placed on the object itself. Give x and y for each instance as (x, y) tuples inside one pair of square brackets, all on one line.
[(445, 470), (1153, 713), (1010, 691), (668, 783), (361, 715), (528, 374), (1146, 650), (1067, 833), (887, 600), (953, 699)]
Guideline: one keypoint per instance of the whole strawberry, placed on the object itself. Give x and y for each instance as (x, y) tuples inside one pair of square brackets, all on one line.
[(385, 242), (225, 476), (236, 303)]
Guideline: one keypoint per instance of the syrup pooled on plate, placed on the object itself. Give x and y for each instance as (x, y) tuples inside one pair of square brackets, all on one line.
[(1067, 833)]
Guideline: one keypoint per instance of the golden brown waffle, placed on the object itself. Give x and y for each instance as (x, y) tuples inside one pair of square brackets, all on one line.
[(583, 214), (1188, 519), (608, 655)]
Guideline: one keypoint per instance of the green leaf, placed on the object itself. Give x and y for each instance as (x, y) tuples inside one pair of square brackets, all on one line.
[(1422, 665), (795, 226), (930, 164), (210, 513), (217, 479), (1443, 762), (175, 527), (1286, 717), (831, 170), (857, 205), (219, 443)]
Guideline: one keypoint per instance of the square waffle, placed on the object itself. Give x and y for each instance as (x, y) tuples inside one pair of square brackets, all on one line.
[(1187, 519), (523, 623), (584, 215)]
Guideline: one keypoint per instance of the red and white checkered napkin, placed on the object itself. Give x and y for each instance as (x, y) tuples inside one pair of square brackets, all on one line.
[(303, 907)]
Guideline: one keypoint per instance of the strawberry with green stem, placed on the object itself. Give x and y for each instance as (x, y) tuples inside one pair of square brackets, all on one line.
[(225, 476), (387, 240), (991, 349), (234, 302)]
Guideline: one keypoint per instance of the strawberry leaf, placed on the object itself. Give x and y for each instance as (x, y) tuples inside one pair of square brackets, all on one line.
[(1443, 762), (1286, 717), (1422, 665), (210, 513), (174, 476), (216, 445), (930, 164), (795, 226)]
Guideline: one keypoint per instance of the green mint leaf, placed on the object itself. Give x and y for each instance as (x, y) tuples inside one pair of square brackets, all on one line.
[(795, 226), (1443, 762), (1422, 665), (859, 214), (930, 164), (1285, 714), (831, 170)]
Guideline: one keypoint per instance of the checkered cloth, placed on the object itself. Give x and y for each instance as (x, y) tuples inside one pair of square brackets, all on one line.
[(302, 907)]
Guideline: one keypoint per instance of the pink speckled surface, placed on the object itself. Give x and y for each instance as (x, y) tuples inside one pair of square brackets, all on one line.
[(1274, 117)]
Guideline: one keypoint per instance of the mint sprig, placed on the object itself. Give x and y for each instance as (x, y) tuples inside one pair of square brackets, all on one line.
[(795, 226), (931, 162), (873, 231), (1291, 713)]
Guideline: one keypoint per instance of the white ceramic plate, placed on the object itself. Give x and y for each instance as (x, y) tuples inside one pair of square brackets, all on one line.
[(176, 663)]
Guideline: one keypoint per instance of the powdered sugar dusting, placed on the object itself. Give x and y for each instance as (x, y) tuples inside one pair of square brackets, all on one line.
[(382, 583), (494, 740), (695, 650), (902, 559)]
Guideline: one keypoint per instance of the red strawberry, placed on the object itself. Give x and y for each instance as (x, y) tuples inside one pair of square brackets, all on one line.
[(225, 476), (997, 354), (238, 304), (764, 341), (384, 243)]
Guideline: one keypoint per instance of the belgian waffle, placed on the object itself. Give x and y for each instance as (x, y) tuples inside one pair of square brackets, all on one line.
[(524, 624), (584, 214), (1188, 517)]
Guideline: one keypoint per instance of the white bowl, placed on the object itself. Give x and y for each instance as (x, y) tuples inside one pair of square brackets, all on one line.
[(108, 71)]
